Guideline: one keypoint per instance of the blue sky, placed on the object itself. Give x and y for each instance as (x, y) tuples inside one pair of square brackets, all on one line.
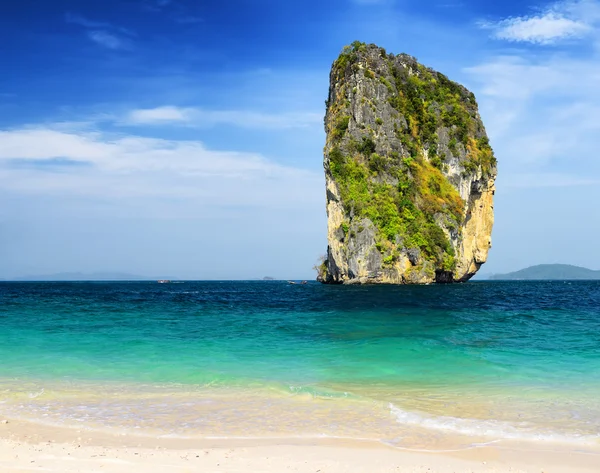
[(184, 139)]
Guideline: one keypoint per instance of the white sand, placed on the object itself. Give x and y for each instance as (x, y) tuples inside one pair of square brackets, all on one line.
[(26, 447)]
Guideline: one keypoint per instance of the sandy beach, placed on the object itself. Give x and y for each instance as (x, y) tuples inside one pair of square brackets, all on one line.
[(26, 447)]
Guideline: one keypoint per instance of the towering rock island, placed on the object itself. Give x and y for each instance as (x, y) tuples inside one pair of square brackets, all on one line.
[(409, 173)]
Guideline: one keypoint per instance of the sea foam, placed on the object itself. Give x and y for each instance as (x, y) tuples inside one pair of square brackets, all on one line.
[(492, 429)]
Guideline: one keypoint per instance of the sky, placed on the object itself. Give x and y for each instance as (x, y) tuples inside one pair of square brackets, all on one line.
[(184, 139)]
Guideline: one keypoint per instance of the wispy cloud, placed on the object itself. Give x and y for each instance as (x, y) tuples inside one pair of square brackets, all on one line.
[(97, 164), (108, 40), (197, 117), (517, 78), (542, 114), (546, 29), (561, 21), (102, 33), (159, 115)]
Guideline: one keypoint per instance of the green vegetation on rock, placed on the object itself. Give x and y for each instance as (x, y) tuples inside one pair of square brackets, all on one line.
[(427, 100), (395, 128), (405, 210)]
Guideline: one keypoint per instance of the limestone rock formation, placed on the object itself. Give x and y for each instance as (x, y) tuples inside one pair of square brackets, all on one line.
[(409, 173)]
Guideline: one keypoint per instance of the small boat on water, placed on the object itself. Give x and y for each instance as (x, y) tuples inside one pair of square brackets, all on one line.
[(163, 281), (294, 282)]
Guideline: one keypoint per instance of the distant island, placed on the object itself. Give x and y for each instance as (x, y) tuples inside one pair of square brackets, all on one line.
[(549, 272)]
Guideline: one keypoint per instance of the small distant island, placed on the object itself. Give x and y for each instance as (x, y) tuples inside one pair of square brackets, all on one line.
[(549, 272)]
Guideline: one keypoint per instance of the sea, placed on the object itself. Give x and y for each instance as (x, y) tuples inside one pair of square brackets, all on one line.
[(434, 367)]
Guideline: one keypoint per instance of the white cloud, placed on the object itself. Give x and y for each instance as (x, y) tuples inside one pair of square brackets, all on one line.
[(103, 33), (546, 29), (498, 77), (542, 114), (108, 40), (561, 21), (159, 115), (206, 118), (39, 161), (129, 153)]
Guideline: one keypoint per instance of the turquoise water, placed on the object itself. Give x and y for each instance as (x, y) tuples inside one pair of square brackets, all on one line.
[(485, 360)]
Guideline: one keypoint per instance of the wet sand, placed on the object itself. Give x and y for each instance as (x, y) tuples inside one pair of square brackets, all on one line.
[(27, 447)]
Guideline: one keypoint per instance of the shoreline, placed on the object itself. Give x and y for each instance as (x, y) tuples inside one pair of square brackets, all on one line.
[(192, 412), (28, 446)]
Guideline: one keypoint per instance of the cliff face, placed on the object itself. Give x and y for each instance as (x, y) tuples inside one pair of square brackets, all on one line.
[(409, 173)]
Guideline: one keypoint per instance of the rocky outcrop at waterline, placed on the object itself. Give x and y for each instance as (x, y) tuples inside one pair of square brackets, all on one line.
[(409, 173)]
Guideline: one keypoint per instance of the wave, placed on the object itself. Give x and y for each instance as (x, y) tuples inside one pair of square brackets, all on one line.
[(497, 430), (317, 392)]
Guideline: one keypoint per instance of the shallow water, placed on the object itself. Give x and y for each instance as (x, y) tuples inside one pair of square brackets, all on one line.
[(415, 366)]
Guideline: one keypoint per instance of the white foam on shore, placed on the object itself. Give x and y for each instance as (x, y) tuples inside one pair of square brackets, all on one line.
[(488, 428)]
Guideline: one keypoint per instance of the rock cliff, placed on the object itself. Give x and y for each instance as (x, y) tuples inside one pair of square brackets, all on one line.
[(409, 173)]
